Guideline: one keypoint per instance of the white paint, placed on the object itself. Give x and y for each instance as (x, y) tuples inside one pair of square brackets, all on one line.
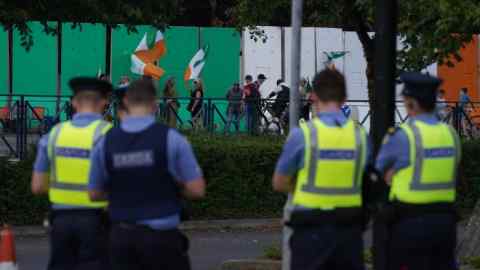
[(264, 58), (355, 67), (307, 65), (328, 40)]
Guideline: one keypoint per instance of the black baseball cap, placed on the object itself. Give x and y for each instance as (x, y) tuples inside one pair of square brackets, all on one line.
[(81, 84)]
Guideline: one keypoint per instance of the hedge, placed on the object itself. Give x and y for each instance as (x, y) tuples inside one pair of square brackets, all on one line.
[(238, 171)]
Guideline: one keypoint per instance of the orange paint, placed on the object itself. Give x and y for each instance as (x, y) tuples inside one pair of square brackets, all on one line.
[(463, 74)]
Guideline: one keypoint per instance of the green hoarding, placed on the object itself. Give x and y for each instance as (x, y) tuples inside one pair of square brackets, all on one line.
[(3, 62), (222, 66), (35, 71), (83, 52)]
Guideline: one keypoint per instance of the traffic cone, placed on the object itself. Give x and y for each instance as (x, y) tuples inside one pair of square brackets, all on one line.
[(7, 250)]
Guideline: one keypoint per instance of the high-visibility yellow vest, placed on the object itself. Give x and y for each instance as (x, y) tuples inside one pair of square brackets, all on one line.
[(434, 157), (335, 159), (69, 150)]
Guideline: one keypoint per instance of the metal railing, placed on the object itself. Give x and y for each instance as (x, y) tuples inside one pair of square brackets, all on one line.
[(24, 119)]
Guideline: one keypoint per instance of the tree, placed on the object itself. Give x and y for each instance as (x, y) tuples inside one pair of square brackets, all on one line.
[(15, 14), (431, 31)]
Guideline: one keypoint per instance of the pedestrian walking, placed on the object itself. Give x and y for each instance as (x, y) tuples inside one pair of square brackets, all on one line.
[(419, 161), (235, 106), (143, 168), (195, 107), (170, 95), (321, 168), (441, 105), (251, 95), (61, 169)]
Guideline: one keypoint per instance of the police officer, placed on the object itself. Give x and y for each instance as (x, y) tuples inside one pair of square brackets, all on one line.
[(142, 167), (419, 161), (61, 169), (321, 168)]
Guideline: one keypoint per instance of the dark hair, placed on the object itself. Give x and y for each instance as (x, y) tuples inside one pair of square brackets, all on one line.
[(89, 96), (249, 78), (441, 91), (329, 85), (464, 89), (279, 81), (141, 92), (428, 104)]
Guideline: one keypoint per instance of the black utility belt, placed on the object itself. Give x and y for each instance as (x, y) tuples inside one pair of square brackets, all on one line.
[(140, 227), (79, 212), (406, 211), (339, 217)]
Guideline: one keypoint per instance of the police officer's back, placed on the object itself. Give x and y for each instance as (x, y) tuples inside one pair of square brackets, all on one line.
[(142, 168), (321, 167), (62, 168), (419, 160)]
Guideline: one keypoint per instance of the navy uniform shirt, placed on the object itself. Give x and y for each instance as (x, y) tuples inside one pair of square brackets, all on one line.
[(395, 151), (182, 164)]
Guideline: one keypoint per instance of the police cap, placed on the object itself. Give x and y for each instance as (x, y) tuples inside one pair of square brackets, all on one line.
[(80, 84), (420, 86)]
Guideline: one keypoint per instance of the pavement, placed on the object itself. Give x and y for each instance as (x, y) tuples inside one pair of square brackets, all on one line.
[(211, 242), (208, 249)]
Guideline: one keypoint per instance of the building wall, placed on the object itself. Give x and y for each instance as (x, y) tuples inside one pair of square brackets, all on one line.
[(463, 74)]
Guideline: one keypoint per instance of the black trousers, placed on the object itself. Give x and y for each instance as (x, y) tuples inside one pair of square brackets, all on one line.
[(424, 243), (326, 247), (139, 247), (78, 240)]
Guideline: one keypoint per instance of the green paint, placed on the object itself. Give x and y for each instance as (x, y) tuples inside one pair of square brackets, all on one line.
[(35, 71), (83, 52), (222, 66), (3, 62), (182, 44)]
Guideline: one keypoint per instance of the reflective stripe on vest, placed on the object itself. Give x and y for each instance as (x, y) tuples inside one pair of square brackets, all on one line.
[(69, 150), (434, 158), (334, 162)]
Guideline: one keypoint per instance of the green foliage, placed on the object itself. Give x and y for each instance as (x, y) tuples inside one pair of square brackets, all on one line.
[(473, 262), (17, 203), (273, 252), (238, 170), (368, 256), (431, 30), (469, 175), (15, 14)]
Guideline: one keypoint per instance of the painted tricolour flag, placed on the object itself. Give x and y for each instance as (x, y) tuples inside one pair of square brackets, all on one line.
[(144, 59), (196, 65), (328, 58)]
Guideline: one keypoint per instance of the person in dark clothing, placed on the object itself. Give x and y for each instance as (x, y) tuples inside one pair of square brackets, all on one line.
[(234, 109), (251, 92), (283, 95), (143, 168), (195, 107), (78, 232)]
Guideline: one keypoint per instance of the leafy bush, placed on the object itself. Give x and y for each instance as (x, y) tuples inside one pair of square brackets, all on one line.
[(469, 175), (238, 170), (17, 203)]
